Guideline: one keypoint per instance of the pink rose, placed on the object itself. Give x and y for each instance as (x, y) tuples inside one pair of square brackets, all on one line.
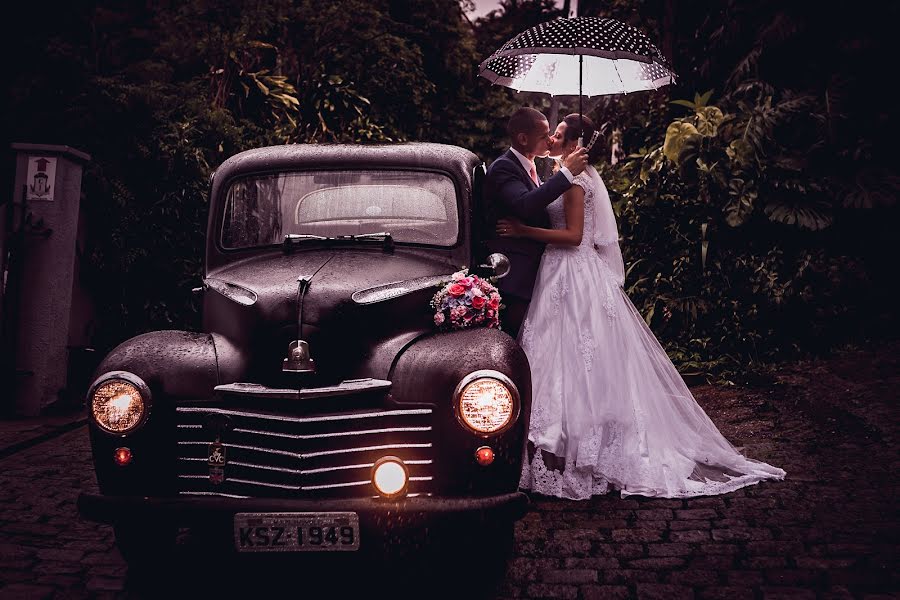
[(494, 303), (458, 275), (457, 312), (438, 318), (457, 290), (466, 282), (478, 302)]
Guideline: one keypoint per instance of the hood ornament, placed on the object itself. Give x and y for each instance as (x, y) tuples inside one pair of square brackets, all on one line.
[(298, 360)]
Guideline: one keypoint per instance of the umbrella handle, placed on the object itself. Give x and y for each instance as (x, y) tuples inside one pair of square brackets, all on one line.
[(580, 98)]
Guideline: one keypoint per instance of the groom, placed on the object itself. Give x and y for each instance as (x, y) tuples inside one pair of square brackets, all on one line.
[(513, 190)]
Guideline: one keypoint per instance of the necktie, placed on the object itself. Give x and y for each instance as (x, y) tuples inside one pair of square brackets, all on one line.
[(534, 176)]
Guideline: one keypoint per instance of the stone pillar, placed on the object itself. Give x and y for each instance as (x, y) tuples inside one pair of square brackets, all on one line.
[(50, 177)]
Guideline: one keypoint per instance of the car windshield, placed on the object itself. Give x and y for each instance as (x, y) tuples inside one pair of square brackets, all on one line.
[(414, 207)]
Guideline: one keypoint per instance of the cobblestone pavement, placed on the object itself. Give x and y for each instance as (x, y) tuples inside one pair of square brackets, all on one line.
[(828, 531)]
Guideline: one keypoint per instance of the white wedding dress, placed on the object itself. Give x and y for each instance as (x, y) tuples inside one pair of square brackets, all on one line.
[(609, 409)]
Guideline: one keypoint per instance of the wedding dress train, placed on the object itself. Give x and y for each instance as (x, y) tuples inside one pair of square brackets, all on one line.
[(609, 409)]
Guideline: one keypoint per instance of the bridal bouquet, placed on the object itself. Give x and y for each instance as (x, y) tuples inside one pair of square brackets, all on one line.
[(466, 301)]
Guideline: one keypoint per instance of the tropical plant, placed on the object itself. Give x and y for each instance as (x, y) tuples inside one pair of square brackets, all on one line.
[(756, 218)]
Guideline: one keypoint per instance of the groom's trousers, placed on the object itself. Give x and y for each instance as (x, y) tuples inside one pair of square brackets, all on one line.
[(514, 314)]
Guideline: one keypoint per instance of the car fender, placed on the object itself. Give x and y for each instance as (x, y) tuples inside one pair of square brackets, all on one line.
[(173, 364), (429, 370)]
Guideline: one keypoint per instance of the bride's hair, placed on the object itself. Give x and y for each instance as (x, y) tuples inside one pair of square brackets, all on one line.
[(573, 131)]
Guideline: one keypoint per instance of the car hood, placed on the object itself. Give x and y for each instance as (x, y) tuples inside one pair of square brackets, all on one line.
[(361, 306)]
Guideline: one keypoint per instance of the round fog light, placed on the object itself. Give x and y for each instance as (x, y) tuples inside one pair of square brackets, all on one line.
[(484, 456), (390, 476), (122, 456)]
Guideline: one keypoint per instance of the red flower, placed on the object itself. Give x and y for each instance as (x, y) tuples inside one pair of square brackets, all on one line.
[(456, 290), (494, 303), (478, 302), (466, 282)]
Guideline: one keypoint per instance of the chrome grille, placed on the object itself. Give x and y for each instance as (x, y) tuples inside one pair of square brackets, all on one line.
[(276, 455)]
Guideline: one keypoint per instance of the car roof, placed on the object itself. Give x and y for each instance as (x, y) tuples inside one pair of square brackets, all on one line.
[(459, 162)]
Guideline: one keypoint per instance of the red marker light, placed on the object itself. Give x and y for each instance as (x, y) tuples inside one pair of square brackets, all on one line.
[(484, 456), (122, 456)]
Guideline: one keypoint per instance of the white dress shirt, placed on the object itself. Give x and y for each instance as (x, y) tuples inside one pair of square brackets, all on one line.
[(529, 164)]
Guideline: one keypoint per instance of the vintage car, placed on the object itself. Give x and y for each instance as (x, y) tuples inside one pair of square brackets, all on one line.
[(320, 409)]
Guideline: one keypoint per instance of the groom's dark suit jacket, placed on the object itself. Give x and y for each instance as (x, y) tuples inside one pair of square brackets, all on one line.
[(510, 192)]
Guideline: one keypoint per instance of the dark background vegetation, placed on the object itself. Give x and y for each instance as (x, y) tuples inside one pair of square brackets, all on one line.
[(756, 198)]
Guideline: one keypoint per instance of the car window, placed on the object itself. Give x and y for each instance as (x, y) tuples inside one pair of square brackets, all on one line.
[(415, 207)]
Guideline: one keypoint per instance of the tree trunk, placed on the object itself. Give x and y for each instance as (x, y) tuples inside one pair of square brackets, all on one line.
[(668, 32)]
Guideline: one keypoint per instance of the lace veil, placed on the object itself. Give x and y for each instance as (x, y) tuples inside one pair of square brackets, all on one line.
[(606, 233)]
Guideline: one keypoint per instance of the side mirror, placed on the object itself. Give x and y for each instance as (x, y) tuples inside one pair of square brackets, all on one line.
[(498, 263)]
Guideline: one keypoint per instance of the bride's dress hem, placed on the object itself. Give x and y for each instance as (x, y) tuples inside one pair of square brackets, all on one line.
[(585, 483)]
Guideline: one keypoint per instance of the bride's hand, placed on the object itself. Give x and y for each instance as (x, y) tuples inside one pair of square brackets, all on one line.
[(509, 228)]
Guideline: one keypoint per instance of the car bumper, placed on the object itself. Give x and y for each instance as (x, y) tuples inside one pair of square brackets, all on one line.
[(188, 511)]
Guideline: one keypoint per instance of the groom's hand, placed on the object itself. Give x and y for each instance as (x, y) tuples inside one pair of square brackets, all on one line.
[(576, 161), (510, 228)]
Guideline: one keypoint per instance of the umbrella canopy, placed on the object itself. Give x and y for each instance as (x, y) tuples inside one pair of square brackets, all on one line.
[(589, 56)]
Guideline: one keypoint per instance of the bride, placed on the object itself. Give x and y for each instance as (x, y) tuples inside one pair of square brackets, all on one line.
[(609, 411)]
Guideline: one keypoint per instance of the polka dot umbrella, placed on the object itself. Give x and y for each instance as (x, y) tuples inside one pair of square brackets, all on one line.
[(589, 56)]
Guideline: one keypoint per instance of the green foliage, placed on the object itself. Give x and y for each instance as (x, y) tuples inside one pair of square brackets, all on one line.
[(737, 217), (755, 214), (738, 157)]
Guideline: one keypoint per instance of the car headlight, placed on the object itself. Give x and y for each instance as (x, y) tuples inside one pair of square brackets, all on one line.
[(119, 402), (486, 402)]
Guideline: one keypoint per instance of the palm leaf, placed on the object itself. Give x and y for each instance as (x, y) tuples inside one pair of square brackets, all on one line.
[(745, 67), (872, 189), (685, 103), (703, 99), (813, 215)]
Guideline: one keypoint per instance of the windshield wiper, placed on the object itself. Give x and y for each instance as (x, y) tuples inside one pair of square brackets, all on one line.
[(289, 239), (384, 236)]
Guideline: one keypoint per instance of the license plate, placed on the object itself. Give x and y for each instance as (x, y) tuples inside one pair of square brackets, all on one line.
[(296, 532)]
